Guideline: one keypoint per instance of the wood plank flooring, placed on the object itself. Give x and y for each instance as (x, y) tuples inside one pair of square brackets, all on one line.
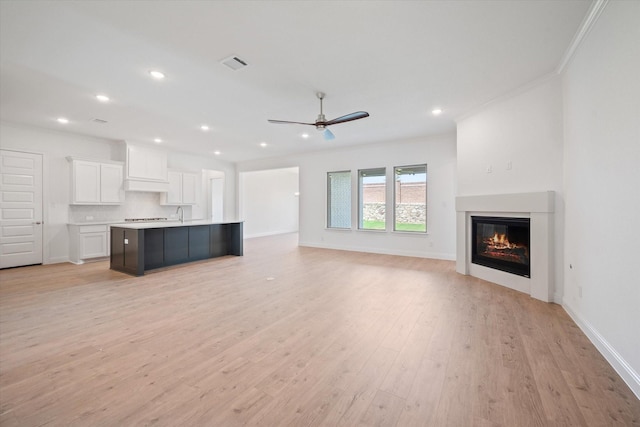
[(289, 336)]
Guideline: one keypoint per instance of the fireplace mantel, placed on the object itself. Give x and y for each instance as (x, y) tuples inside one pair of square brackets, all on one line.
[(539, 207)]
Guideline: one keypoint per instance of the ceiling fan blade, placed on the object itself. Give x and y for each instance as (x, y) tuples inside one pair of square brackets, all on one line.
[(287, 122), (328, 135), (349, 117)]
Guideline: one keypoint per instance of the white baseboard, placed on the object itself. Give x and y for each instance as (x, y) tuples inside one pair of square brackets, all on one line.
[(557, 298), (56, 260), (269, 233), (628, 374), (383, 251)]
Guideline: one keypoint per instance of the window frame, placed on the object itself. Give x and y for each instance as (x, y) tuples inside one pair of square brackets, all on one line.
[(328, 201), (383, 174), (395, 198)]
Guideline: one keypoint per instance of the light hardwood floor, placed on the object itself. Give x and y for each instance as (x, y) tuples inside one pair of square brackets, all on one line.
[(294, 336)]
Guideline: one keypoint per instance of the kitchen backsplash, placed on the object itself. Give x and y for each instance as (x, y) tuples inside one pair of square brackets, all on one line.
[(136, 205)]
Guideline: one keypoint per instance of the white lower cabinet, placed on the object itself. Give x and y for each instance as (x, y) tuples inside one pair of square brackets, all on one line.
[(87, 242)]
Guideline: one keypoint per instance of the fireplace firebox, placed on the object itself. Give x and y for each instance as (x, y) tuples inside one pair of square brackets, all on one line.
[(501, 243)]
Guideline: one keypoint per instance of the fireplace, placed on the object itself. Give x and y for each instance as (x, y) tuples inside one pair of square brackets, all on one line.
[(539, 209), (501, 243)]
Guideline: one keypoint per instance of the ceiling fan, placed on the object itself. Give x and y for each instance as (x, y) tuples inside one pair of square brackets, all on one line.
[(321, 122)]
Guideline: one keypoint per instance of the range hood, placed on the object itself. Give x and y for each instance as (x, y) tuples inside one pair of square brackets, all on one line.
[(146, 169), (148, 186)]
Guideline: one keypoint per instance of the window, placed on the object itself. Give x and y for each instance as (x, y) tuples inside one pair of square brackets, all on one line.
[(372, 199), (410, 195), (339, 199)]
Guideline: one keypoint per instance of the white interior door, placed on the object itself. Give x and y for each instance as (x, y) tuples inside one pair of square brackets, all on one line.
[(20, 208)]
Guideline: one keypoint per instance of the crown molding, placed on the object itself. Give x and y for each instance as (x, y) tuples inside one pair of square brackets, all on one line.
[(589, 21)]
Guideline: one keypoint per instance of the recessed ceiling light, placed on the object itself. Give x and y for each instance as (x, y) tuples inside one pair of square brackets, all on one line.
[(436, 111), (62, 120), (305, 135), (157, 140), (263, 144), (158, 75), (102, 98), (204, 128), (217, 153)]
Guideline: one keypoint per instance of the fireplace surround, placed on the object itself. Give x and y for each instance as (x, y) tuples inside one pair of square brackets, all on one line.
[(501, 243), (538, 208)]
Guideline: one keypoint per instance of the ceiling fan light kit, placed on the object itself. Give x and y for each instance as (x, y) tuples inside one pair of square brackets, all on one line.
[(321, 122)]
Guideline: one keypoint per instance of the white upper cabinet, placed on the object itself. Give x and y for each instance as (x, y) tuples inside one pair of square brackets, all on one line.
[(174, 196), (182, 189), (96, 182), (146, 163), (189, 185), (111, 179), (85, 182)]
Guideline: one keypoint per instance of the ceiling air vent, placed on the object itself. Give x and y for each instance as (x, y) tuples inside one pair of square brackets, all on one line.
[(234, 63), (99, 121)]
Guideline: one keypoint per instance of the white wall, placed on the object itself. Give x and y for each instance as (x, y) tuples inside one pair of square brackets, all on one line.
[(524, 129), (56, 146), (440, 155), (268, 201), (602, 185), (519, 139)]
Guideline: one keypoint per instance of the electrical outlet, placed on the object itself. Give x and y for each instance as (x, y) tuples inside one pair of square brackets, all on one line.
[(509, 165), (489, 169)]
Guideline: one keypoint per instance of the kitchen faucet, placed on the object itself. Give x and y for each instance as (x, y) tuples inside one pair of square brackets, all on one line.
[(180, 213)]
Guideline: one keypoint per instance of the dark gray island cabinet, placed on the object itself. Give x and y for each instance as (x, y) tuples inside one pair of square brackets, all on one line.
[(138, 247)]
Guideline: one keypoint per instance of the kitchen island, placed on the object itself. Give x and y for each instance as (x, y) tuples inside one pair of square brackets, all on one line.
[(139, 247)]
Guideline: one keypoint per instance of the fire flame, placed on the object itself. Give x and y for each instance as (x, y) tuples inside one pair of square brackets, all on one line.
[(500, 241)]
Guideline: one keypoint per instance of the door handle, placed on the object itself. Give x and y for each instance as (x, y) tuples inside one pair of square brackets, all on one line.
[(37, 223)]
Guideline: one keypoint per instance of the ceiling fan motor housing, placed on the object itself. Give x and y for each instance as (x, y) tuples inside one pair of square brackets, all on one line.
[(320, 122)]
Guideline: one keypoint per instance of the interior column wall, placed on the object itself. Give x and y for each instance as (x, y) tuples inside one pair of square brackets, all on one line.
[(602, 186), (514, 145)]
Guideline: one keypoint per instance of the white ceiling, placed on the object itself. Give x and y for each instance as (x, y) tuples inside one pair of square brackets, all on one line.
[(396, 60)]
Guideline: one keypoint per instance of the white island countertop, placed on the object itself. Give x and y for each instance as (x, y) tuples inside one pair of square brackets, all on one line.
[(172, 223)]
